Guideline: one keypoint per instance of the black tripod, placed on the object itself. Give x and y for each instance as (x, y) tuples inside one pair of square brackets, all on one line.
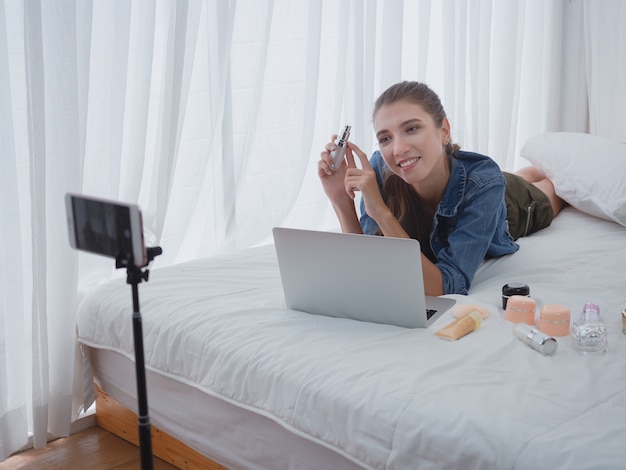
[(134, 276)]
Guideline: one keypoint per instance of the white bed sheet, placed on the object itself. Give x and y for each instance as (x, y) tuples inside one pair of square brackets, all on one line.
[(388, 397), (231, 435)]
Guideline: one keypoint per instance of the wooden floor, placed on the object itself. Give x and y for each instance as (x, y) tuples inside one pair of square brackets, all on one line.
[(93, 448)]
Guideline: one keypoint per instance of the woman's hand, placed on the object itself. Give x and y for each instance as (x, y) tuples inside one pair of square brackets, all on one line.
[(333, 182), (364, 180), (332, 178)]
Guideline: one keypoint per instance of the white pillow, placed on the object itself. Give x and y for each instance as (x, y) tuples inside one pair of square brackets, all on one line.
[(588, 172)]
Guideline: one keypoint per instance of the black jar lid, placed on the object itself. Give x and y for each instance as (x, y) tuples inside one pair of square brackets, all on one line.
[(515, 288)]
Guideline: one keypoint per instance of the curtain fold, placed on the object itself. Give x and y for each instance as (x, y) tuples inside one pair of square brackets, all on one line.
[(211, 116), (37, 158), (182, 27), (141, 43), (13, 380), (605, 40)]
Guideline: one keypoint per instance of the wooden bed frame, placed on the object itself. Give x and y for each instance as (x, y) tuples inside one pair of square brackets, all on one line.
[(118, 420)]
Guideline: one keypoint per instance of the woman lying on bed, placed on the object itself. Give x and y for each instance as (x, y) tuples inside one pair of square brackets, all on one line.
[(459, 205)]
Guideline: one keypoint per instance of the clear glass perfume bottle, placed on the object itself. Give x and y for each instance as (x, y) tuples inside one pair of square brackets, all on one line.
[(589, 333)]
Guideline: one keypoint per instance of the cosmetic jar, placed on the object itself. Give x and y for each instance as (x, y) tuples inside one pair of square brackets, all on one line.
[(534, 338), (624, 321), (513, 288), (521, 309), (554, 320)]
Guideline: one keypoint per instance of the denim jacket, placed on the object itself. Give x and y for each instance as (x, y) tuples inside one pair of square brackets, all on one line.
[(470, 221)]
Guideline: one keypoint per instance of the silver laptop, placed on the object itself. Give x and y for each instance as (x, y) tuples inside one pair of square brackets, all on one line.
[(362, 277)]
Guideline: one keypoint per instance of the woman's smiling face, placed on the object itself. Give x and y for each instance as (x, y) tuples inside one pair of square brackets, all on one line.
[(410, 142)]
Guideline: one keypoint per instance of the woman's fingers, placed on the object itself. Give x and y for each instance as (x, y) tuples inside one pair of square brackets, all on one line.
[(355, 180), (335, 162), (353, 148), (323, 169), (326, 164), (356, 177), (330, 146)]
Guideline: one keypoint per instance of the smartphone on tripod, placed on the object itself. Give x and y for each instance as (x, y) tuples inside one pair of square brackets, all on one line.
[(108, 228)]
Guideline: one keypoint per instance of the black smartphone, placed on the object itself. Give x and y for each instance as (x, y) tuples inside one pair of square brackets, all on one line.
[(108, 228)]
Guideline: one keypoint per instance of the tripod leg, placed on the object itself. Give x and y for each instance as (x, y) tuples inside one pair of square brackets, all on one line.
[(145, 439)]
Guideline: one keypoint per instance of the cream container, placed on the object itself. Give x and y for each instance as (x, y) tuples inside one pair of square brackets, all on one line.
[(521, 309), (514, 288), (554, 320)]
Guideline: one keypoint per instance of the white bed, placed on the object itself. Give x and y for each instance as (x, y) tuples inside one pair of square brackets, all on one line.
[(239, 378), (242, 380)]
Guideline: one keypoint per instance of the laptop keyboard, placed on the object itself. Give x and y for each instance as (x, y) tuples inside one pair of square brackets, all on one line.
[(430, 312)]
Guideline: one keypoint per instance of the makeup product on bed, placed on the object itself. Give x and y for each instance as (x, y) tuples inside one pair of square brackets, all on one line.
[(463, 310), (589, 333), (554, 320), (624, 321), (521, 309), (534, 338), (513, 288), (461, 327)]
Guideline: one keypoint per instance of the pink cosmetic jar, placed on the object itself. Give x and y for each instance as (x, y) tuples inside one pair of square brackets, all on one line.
[(521, 309), (554, 320)]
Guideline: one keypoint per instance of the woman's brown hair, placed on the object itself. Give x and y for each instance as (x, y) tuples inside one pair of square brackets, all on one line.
[(399, 196)]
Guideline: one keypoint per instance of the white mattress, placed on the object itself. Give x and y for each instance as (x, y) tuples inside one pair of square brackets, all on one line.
[(380, 396)]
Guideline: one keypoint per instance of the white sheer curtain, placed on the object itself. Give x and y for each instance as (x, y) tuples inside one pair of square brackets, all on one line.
[(211, 115)]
